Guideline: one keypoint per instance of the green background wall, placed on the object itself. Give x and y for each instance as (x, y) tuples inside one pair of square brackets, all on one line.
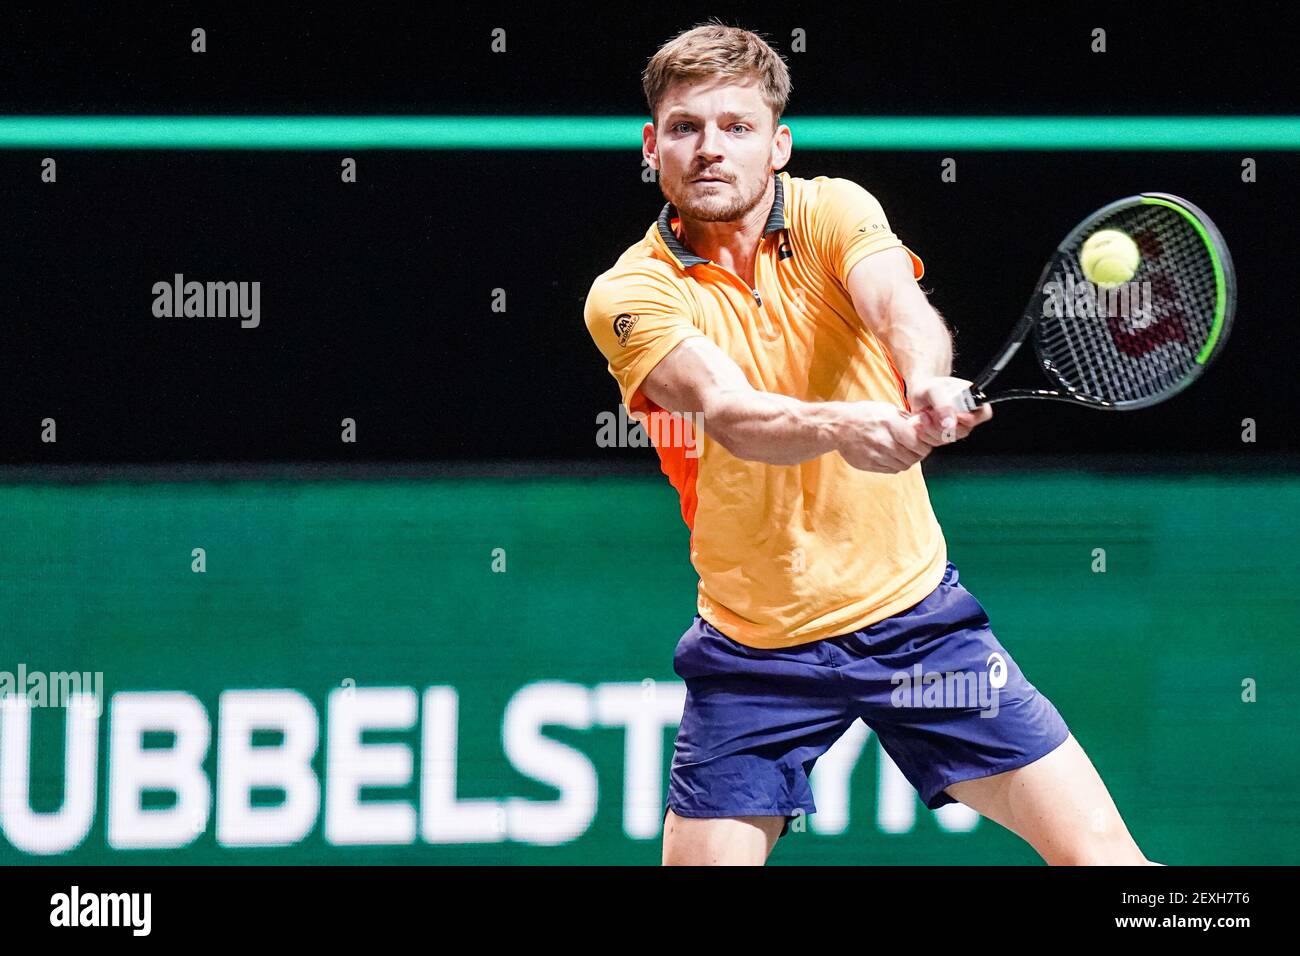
[(390, 583)]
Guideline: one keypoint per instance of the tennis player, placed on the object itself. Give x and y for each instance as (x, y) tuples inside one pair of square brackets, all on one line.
[(784, 315)]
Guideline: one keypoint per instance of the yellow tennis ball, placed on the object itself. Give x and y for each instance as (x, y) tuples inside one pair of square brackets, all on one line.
[(1109, 257)]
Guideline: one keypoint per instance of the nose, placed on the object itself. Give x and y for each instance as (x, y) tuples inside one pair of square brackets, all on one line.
[(710, 142)]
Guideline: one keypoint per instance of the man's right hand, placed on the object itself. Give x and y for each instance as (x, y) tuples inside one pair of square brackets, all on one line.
[(880, 437)]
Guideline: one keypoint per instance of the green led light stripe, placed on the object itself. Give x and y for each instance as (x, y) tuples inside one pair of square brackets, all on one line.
[(624, 132), (319, 132), (1048, 132), (1220, 297)]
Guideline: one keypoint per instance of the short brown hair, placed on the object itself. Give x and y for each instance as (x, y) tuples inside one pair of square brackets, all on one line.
[(714, 49)]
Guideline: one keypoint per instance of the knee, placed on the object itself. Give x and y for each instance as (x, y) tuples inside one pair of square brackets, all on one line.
[(718, 841), (706, 855), (1102, 853)]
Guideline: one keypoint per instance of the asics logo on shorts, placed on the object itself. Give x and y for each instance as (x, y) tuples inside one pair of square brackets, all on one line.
[(997, 670)]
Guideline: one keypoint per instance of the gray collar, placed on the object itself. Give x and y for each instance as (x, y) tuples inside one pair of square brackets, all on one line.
[(775, 222)]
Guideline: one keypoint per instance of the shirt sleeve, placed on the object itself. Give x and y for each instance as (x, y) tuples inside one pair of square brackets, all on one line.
[(850, 225), (636, 318)]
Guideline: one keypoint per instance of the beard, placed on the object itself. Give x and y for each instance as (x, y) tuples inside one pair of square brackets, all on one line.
[(725, 202)]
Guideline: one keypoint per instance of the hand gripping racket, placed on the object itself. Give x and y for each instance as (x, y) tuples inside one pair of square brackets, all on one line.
[(1132, 344)]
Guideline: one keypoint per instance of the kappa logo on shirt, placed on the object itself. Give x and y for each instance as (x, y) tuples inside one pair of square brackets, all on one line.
[(624, 323)]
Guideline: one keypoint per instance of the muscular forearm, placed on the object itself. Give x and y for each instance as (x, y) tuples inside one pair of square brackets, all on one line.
[(755, 425), (772, 428)]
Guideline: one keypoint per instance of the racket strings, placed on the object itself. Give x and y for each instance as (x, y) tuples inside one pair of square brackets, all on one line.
[(1139, 340)]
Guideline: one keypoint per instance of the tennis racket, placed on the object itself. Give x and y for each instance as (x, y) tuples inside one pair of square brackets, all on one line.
[(1132, 344)]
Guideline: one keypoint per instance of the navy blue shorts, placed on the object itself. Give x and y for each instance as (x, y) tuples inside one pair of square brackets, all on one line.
[(944, 698)]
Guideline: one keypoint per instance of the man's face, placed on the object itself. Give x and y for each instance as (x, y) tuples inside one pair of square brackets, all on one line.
[(715, 147)]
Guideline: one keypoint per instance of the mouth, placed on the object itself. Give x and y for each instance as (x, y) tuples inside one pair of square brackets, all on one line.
[(709, 179)]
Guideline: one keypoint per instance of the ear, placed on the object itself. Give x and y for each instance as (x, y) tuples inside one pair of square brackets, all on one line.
[(649, 146), (782, 144)]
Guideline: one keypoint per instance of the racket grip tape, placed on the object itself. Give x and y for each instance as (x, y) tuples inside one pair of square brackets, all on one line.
[(968, 401)]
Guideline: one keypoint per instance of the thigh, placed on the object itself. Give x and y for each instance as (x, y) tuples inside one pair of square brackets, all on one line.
[(719, 841), (1059, 805)]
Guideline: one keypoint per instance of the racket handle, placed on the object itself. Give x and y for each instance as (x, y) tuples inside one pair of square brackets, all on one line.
[(968, 401)]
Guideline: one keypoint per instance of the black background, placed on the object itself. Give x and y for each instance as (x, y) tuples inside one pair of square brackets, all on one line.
[(376, 296)]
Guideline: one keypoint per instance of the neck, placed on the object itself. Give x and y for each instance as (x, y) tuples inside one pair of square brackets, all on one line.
[(730, 244)]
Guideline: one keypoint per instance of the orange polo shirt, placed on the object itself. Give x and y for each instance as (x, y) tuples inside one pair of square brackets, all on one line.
[(786, 554)]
